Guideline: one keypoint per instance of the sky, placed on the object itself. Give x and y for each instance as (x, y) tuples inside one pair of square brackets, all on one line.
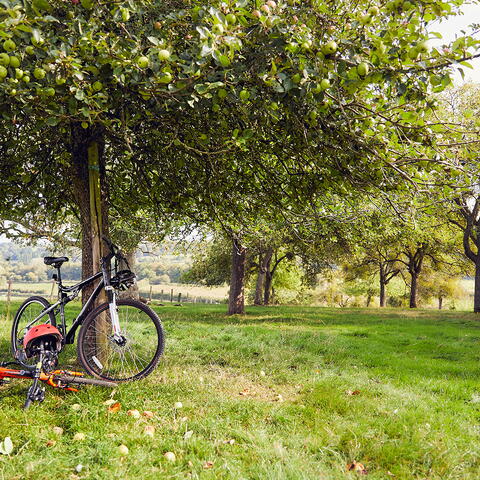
[(451, 29)]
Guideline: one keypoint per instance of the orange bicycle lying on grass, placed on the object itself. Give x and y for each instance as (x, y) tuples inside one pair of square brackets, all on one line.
[(43, 342)]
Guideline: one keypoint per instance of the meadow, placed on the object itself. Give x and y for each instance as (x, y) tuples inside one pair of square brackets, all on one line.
[(278, 393)]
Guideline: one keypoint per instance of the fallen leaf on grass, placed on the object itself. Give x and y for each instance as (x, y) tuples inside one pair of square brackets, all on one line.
[(229, 442), (115, 407), (244, 392), (390, 474), (357, 467), (57, 430), (133, 413), (51, 443), (278, 398), (147, 414), (109, 402), (188, 434), (207, 465), (352, 392)]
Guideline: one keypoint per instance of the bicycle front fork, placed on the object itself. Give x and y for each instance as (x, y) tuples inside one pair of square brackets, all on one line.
[(112, 306)]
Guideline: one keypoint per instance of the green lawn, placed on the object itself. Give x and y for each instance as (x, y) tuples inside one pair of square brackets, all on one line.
[(266, 396)]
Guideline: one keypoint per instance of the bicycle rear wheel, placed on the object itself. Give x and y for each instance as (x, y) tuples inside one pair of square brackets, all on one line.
[(24, 319), (131, 357)]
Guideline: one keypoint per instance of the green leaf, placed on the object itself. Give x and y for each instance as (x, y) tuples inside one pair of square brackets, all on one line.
[(52, 121), (154, 40), (204, 32)]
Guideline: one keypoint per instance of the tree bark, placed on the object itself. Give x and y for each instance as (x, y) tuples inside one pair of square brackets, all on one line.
[(89, 186), (476, 294), (236, 301), (440, 303), (413, 290), (382, 289), (258, 300), (268, 277)]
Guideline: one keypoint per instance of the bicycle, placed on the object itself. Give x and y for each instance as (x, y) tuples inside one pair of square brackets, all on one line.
[(119, 340)]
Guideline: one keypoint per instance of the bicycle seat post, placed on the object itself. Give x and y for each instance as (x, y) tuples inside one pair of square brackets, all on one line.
[(59, 275)]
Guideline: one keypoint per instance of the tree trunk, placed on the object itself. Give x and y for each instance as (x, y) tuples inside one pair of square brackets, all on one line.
[(382, 291), (413, 290), (476, 294), (133, 291), (236, 301), (440, 303), (260, 283), (89, 186), (369, 300), (268, 277)]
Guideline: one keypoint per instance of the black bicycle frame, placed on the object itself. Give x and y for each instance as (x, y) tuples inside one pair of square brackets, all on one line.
[(64, 298)]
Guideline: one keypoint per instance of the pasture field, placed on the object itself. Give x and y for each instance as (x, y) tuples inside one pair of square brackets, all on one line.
[(189, 292), (278, 393)]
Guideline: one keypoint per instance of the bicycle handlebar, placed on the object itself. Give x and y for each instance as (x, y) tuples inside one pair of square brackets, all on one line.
[(114, 249)]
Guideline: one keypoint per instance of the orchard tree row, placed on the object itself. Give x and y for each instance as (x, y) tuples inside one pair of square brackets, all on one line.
[(131, 119)]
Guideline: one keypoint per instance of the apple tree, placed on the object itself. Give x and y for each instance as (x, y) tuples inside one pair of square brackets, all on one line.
[(291, 99)]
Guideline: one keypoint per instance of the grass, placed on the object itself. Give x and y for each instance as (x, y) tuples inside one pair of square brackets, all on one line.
[(416, 414)]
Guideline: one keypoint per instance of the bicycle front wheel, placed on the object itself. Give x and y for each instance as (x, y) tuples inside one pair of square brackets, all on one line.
[(29, 315), (132, 356)]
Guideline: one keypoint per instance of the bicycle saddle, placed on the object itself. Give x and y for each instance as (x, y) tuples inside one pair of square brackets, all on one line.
[(55, 261)]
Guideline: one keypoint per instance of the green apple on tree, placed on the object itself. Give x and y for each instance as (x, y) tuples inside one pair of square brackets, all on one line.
[(14, 62), (39, 73), (143, 62), (163, 55), (329, 48), (9, 45), (231, 19), (165, 78), (363, 69), (244, 95), (325, 84)]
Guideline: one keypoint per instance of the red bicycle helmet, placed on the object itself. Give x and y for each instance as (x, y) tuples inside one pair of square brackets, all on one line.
[(45, 333)]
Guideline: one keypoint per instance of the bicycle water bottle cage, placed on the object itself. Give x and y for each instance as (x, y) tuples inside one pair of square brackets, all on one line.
[(55, 261), (123, 280), (44, 336)]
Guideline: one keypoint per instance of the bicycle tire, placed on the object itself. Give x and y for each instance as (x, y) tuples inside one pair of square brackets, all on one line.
[(75, 380), (24, 315), (143, 346)]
